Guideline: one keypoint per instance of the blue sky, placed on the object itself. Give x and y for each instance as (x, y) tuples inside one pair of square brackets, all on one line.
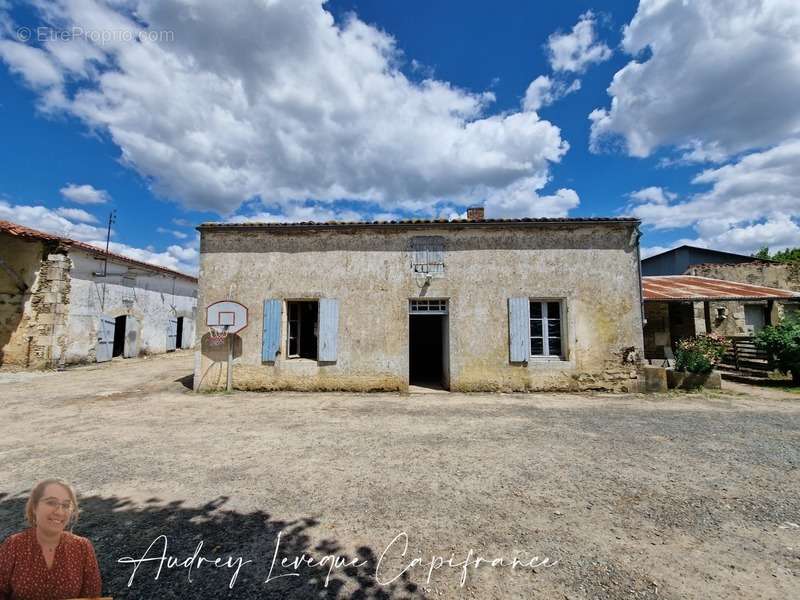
[(685, 116)]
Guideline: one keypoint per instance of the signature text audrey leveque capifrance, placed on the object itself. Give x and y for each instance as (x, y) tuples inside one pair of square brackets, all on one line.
[(157, 558)]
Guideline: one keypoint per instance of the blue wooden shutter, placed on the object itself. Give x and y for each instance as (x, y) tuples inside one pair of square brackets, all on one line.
[(519, 329), (328, 328), (271, 333)]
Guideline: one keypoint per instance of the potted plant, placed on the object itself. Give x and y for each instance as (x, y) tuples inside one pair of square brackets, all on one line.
[(782, 341), (695, 359)]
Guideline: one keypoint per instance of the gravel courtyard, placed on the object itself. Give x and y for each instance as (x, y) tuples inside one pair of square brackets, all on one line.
[(664, 496)]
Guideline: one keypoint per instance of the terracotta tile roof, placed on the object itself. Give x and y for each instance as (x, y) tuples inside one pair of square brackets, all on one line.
[(26, 232), (690, 287), (413, 223)]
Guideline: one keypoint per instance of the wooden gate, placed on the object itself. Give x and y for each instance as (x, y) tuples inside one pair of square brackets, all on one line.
[(131, 337), (105, 338), (172, 334)]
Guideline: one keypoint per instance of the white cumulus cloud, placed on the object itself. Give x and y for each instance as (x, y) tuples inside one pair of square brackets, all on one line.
[(76, 214), (66, 223), (544, 90), (749, 203), (713, 78), (84, 194), (576, 50), (654, 195), (276, 101)]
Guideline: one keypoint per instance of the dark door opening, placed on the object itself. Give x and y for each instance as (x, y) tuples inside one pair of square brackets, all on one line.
[(119, 335), (179, 337), (426, 350)]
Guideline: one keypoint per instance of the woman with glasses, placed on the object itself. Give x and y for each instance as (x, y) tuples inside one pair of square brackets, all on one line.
[(47, 562)]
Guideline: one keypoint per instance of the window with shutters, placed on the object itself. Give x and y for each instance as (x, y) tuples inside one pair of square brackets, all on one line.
[(427, 255), (547, 328)]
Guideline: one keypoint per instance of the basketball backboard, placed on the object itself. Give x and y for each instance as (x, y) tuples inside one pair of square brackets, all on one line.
[(227, 316)]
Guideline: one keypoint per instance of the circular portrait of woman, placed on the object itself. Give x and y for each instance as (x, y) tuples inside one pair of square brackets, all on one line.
[(47, 561)]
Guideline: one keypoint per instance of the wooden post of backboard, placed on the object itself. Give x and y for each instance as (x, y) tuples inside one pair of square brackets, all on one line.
[(229, 386)]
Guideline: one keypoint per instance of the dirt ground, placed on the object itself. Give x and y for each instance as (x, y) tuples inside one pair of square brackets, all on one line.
[(662, 496)]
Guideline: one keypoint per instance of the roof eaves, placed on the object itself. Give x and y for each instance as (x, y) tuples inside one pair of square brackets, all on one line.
[(415, 223)]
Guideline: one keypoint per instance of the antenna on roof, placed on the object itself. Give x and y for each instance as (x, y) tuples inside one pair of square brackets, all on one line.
[(112, 218)]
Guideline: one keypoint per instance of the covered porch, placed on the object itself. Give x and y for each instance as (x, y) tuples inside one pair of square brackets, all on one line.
[(681, 306)]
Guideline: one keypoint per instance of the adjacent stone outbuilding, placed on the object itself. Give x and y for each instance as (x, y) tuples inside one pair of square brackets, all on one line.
[(683, 306), (528, 304), (65, 302)]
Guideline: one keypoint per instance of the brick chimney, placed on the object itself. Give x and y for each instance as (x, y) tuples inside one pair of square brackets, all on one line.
[(475, 213)]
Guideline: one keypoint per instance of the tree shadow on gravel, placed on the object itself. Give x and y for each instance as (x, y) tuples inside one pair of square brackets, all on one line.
[(120, 528)]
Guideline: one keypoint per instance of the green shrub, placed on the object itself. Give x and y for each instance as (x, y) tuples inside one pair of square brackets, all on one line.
[(699, 354), (783, 342)]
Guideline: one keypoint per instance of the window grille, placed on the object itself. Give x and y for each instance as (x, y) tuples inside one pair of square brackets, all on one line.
[(427, 255), (428, 307)]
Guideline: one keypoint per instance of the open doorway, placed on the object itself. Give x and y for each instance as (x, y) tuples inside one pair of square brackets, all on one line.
[(428, 344), (179, 337), (119, 335)]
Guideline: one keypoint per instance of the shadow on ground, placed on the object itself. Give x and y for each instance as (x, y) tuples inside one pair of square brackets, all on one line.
[(186, 381), (120, 528)]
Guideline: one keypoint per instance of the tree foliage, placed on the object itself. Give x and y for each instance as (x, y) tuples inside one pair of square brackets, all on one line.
[(783, 342), (790, 255)]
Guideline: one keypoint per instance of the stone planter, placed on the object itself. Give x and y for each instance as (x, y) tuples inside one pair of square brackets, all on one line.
[(684, 380), (653, 380)]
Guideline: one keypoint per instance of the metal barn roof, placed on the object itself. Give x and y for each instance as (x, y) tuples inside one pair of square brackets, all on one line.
[(690, 287)]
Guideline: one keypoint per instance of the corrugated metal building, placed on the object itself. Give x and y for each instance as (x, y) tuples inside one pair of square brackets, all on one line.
[(678, 260)]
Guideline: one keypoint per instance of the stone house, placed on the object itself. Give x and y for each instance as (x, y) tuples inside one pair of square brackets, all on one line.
[(691, 290), (680, 306), (64, 302), (466, 305)]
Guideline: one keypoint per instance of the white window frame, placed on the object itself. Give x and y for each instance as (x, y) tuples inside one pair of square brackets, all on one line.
[(427, 306), (546, 329)]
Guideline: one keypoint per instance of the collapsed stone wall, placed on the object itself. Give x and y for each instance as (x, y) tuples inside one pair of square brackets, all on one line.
[(34, 290), (49, 301)]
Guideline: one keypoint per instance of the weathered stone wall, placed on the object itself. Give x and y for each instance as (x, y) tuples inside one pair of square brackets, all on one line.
[(49, 310), (54, 321), (17, 330), (151, 297), (783, 276), (593, 268)]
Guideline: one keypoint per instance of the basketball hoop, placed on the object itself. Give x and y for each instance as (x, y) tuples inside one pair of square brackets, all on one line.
[(217, 335), (224, 318)]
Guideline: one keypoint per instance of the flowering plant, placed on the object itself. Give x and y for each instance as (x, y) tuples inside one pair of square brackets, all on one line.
[(700, 354)]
